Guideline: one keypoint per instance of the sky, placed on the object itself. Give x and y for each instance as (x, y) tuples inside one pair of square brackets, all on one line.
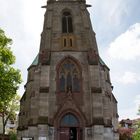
[(117, 27)]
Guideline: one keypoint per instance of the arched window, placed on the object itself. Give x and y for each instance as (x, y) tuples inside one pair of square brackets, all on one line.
[(69, 120), (67, 23), (69, 76)]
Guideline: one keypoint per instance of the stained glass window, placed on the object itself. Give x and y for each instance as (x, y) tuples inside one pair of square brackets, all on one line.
[(76, 86), (69, 76), (62, 83)]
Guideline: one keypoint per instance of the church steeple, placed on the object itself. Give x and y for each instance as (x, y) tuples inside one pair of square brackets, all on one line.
[(69, 26), (68, 94)]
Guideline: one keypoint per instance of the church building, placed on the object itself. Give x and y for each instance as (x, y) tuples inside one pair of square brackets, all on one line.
[(68, 94)]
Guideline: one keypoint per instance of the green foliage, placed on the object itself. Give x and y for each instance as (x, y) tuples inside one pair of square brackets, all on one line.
[(136, 134), (12, 107), (6, 55), (10, 110), (10, 78), (13, 135)]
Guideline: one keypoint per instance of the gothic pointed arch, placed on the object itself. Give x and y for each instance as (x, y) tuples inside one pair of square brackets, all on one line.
[(69, 76), (76, 118)]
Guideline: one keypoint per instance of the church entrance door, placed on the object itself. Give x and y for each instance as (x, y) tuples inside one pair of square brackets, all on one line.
[(69, 128), (70, 133)]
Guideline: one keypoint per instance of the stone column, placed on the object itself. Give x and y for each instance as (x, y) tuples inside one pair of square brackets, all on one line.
[(33, 132), (43, 132), (51, 133), (88, 133), (19, 133), (108, 133), (25, 133), (116, 136), (98, 131)]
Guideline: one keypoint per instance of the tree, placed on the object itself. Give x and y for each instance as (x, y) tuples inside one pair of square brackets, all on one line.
[(13, 136), (10, 110), (138, 111), (136, 134), (10, 78)]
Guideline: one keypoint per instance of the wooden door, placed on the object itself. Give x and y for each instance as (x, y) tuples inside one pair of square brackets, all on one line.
[(79, 134), (70, 133), (64, 133)]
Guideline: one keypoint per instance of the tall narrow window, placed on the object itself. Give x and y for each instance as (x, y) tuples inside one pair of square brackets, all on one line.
[(62, 82), (76, 83), (67, 23), (69, 82), (65, 42), (71, 42)]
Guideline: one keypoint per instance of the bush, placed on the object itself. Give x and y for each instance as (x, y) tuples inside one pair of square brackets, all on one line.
[(13, 136)]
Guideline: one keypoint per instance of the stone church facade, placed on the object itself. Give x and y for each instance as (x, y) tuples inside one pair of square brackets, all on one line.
[(68, 94)]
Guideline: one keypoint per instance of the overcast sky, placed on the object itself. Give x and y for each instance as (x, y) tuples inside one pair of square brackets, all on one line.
[(117, 27)]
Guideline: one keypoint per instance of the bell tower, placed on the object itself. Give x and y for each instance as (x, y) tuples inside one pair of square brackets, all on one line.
[(68, 94)]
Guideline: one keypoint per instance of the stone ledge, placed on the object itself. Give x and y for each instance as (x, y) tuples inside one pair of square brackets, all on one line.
[(20, 128), (98, 121), (43, 120), (108, 123)]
